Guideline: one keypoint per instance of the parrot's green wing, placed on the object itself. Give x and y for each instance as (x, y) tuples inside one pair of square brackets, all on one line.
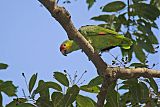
[(106, 42), (92, 30), (104, 39)]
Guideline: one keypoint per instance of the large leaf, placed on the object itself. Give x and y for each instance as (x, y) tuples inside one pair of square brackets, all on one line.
[(138, 92), (56, 98), (14, 104), (91, 89), (105, 18), (153, 39), (46, 85), (140, 55), (124, 87), (124, 99), (156, 3), (153, 84), (84, 101), (114, 6), (146, 11), (32, 82), (70, 96), (62, 78), (90, 3), (96, 81), (53, 85), (135, 93), (43, 90), (3, 66), (8, 88), (137, 65), (144, 92), (113, 98), (43, 102), (138, 1), (19, 102), (147, 45)]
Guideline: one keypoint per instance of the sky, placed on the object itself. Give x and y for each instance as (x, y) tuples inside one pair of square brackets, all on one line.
[(30, 40)]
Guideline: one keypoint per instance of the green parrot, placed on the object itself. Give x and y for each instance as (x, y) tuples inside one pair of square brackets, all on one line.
[(100, 38)]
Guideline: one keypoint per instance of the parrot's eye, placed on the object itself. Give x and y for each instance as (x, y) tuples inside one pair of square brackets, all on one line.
[(64, 44)]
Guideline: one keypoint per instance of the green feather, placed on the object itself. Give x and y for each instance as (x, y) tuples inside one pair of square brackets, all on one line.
[(92, 30), (100, 42)]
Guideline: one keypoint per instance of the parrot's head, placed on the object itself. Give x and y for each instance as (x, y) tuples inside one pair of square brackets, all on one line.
[(66, 47)]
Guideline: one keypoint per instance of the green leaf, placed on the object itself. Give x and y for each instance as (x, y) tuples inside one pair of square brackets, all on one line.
[(105, 18), (70, 96), (90, 3), (153, 84), (138, 1), (144, 92), (43, 90), (156, 3), (124, 99), (14, 104), (46, 85), (113, 98), (96, 81), (135, 93), (19, 102), (91, 89), (125, 87), (146, 11), (84, 101), (138, 92), (137, 65), (62, 78), (153, 39), (56, 98), (53, 85), (147, 45), (154, 25), (1, 81), (114, 6), (43, 102), (8, 88), (32, 82), (3, 66), (1, 100), (140, 55)]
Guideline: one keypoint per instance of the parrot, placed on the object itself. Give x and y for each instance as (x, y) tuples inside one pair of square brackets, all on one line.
[(100, 38)]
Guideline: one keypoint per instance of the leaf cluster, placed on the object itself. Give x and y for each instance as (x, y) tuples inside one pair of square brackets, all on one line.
[(136, 19)]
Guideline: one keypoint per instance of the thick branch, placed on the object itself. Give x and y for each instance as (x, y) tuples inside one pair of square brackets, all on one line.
[(104, 89), (135, 72)]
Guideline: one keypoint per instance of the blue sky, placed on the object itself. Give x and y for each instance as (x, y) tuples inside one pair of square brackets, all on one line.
[(30, 40)]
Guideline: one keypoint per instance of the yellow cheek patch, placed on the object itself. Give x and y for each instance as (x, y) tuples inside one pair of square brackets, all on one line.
[(68, 46)]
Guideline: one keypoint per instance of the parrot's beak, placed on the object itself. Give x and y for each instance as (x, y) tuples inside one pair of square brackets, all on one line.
[(63, 50)]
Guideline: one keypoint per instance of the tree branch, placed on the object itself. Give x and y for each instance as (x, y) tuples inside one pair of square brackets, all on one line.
[(135, 72), (104, 89), (110, 74)]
